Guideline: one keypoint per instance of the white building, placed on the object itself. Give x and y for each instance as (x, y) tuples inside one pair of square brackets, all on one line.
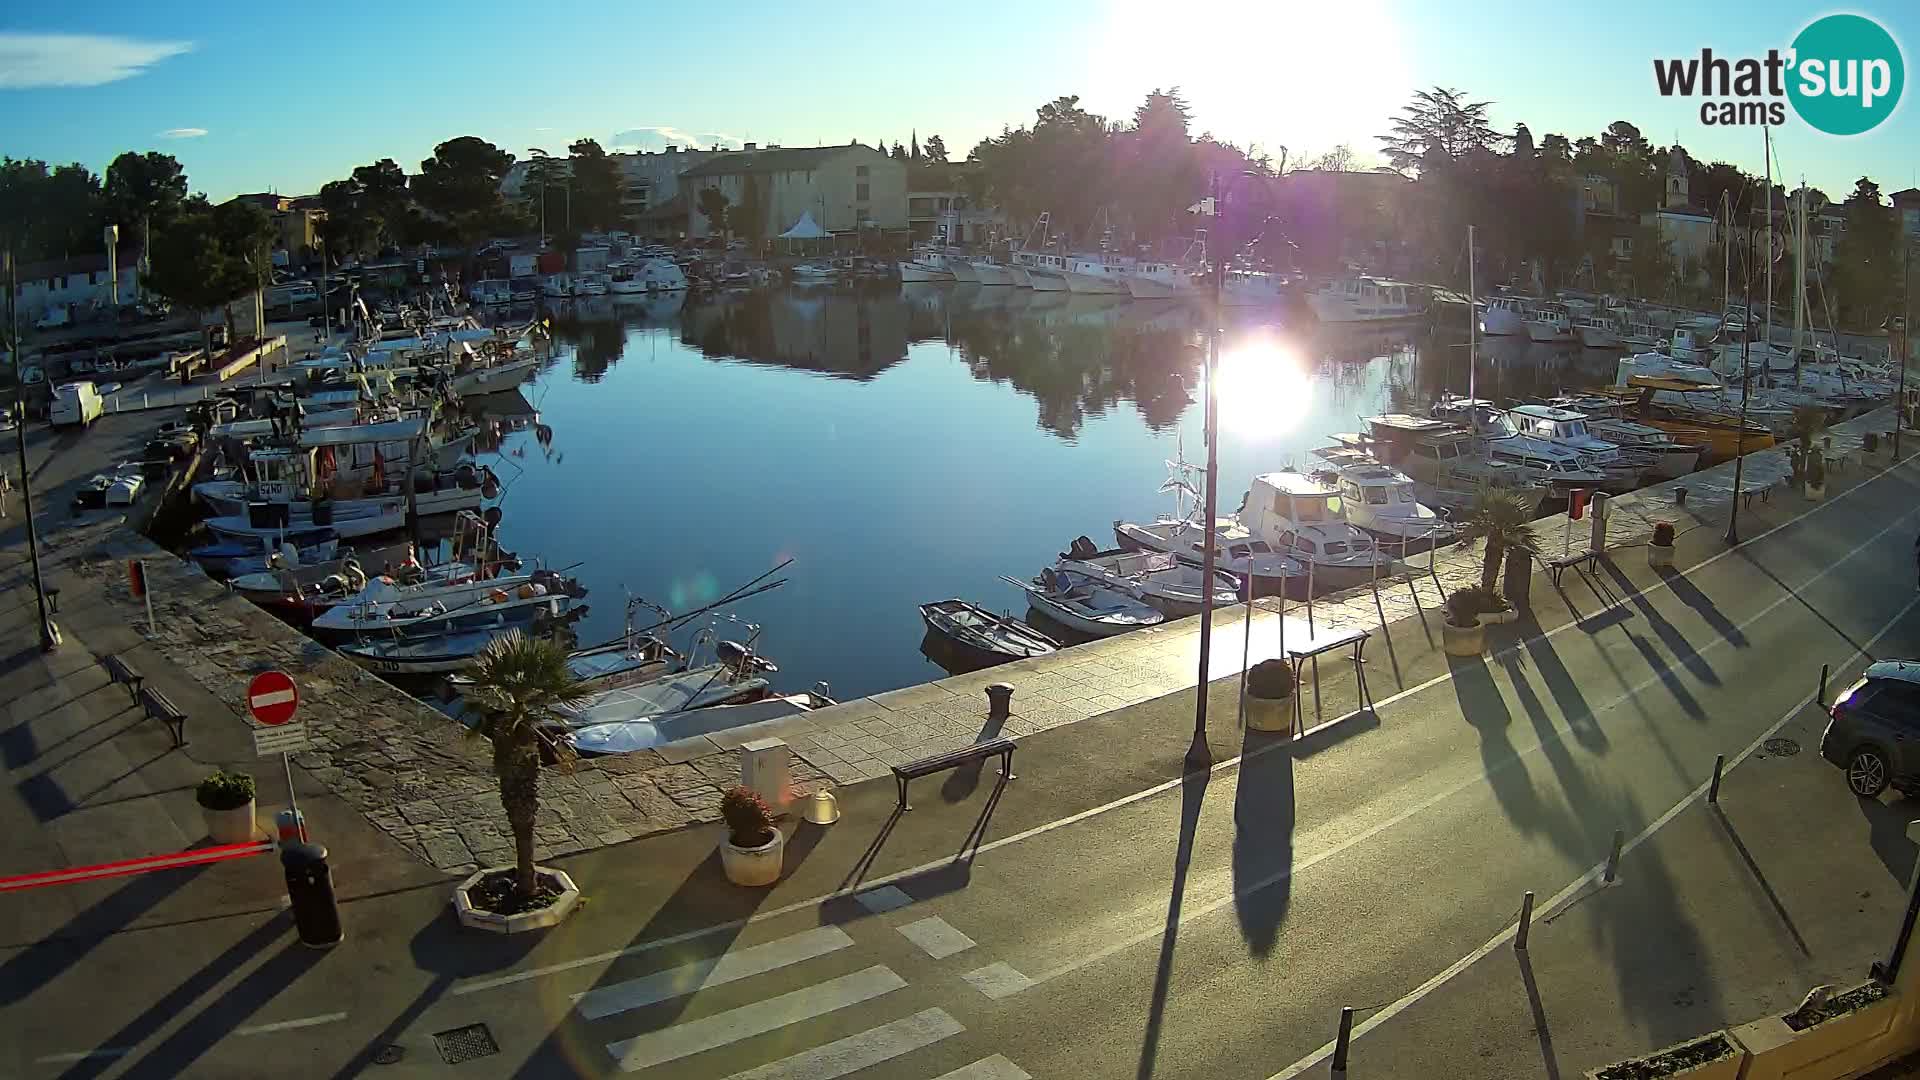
[(79, 283), (651, 176)]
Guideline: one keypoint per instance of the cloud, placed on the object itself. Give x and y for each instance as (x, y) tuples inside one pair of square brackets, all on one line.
[(660, 136), (183, 133), (543, 129), (36, 60)]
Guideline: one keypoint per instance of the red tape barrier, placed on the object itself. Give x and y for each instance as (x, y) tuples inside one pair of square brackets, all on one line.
[(192, 857)]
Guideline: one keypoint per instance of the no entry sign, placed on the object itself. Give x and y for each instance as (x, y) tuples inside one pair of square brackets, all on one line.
[(272, 698)]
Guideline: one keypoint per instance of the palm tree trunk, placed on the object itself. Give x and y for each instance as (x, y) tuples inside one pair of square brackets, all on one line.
[(516, 764), (1490, 567)]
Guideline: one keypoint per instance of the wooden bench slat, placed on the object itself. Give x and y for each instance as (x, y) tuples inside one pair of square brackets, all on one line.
[(954, 758)]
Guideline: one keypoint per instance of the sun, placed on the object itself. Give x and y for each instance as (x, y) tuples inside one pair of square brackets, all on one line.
[(1265, 390)]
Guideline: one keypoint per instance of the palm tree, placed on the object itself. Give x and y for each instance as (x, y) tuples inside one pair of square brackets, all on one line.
[(1808, 422), (516, 680), (1504, 521)]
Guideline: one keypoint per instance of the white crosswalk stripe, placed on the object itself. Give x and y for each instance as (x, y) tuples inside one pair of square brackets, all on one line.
[(716, 971), (936, 936), (989, 1068), (720, 1029), (856, 1052)]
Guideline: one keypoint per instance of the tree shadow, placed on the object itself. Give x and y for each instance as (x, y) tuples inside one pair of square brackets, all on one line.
[(1691, 596), (36, 965), (1193, 793), (1887, 834), (222, 1015), (1566, 693), (1681, 695), (1669, 635), (1486, 711), (1263, 828)]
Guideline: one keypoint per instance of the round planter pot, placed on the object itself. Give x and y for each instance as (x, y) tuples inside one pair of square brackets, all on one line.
[(753, 865), (480, 918), (1462, 640), (1269, 714), (1817, 492), (233, 826), (1658, 555)]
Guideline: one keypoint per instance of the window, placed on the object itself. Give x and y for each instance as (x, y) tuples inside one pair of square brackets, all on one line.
[(1376, 496), (860, 192), (1301, 543), (859, 170)]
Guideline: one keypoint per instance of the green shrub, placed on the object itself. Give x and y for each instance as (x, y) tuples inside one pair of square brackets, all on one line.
[(749, 819), (1663, 534), (1270, 679), (225, 790), (1465, 606)]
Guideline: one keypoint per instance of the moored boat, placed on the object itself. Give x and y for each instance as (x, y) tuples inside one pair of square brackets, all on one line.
[(1084, 605), (979, 637)]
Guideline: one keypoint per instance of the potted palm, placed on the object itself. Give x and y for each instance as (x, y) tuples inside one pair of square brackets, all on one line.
[(1503, 522), (514, 682), (1461, 632), (1817, 477), (226, 805), (1660, 547), (1270, 696), (1807, 424), (753, 849)]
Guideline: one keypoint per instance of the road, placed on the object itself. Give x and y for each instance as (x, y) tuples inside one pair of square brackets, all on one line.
[(1211, 928)]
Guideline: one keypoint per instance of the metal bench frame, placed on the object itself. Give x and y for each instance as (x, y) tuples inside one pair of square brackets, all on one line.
[(120, 671), (161, 707), (1320, 644), (953, 759), (1557, 567)]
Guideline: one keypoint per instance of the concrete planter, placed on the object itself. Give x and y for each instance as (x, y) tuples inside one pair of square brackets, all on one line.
[(753, 865), (1659, 555), (1725, 1067), (481, 919), (1269, 714), (1816, 492), (235, 826), (1844, 1045), (1463, 640)]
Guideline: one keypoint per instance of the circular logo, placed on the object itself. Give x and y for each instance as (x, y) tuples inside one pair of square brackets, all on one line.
[(1847, 74)]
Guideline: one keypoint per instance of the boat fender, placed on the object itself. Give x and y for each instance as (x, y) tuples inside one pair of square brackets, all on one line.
[(493, 516), (497, 596), (467, 476)]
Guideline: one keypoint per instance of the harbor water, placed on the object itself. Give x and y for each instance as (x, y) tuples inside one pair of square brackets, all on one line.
[(913, 443)]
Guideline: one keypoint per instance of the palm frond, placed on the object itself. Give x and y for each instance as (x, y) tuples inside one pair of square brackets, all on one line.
[(517, 678)]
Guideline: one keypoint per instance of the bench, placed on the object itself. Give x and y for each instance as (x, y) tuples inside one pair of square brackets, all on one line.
[(1762, 488), (161, 708), (1299, 653), (1556, 567), (120, 671), (953, 759)]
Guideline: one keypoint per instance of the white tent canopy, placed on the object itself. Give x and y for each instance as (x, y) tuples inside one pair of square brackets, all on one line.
[(804, 229)]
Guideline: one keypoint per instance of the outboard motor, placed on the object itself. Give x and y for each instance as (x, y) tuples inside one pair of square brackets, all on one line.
[(1083, 548)]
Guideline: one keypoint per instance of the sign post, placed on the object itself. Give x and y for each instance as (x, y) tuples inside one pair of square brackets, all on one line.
[(273, 699), (1576, 506), (137, 581)]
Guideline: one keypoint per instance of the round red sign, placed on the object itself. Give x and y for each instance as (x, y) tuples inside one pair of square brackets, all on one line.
[(272, 697)]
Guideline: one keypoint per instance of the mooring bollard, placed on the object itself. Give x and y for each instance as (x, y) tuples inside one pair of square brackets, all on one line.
[(1000, 700), (1823, 686), (1613, 858), (1713, 789), (1526, 923), (1342, 1041)]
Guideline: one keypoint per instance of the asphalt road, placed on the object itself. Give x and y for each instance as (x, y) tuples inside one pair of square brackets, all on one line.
[(1215, 928)]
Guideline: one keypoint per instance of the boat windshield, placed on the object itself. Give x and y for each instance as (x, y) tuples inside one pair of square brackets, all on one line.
[(1376, 496)]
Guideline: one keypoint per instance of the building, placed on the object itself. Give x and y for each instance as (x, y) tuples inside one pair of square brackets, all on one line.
[(844, 189), (1689, 231), (296, 224), (650, 177), (80, 284), (1907, 205), (939, 207)]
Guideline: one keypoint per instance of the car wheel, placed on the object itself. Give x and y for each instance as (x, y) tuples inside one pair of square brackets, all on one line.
[(1867, 773)]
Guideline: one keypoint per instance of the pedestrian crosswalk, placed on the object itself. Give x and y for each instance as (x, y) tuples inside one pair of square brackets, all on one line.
[(841, 989)]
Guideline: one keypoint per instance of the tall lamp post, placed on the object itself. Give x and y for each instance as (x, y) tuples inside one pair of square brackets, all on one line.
[(1199, 756), (49, 633), (1898, 339), (1746, 338)]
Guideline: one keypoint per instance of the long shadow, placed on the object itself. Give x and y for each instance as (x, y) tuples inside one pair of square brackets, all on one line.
[(1691, 596), (1681, 695), (1766, 887), (1797, 595), (1487, 712), (1193, 794), (951, 876), (178, 1000), (1669, 635), (1548, 1059), (36, 965), (221, 1016), (1566, 693), (1263, 827), (1887, 833), (962, 781)]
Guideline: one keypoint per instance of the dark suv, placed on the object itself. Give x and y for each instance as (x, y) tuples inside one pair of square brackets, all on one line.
[(1874, 733)]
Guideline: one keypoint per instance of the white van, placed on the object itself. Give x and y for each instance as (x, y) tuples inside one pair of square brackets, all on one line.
[(75, 403)]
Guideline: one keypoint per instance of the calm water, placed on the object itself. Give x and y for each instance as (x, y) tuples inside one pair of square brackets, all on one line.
[(915, 443)]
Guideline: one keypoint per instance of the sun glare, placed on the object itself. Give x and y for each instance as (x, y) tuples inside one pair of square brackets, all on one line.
[(1264, 390)]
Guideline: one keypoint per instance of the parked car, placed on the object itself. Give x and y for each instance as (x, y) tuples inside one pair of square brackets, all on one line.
[(1874, 729)]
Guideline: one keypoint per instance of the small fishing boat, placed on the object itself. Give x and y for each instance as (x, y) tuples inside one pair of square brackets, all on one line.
[(980, 638), (434, 651), (1381, 500), (229, 556), (385, 605), (738, 676), (309, 591), (1157, 577), (1083, 604), (645, 733), (1302, 516), (375, 516)]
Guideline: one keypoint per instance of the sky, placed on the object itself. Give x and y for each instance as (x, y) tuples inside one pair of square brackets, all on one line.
[(253, 98)]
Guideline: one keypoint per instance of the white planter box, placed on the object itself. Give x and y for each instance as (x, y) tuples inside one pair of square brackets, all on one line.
[(756, 865), (1721, 1068), (1658, 556), (1842, 1046), (235, 826), (481, 919), (1269, 714), (1462, 641)]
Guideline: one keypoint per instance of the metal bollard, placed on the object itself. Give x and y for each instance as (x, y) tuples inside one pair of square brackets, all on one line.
[(1713, 789), (1823, 686), (1613, 858), (1342, 1041), (1526, 923), (316, 914), (1000, 700)]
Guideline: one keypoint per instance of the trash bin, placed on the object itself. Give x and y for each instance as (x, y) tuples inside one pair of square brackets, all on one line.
[(316, 914), (1870, 441)]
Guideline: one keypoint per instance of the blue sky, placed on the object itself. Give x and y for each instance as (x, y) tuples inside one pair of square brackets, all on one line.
[(254, 98)]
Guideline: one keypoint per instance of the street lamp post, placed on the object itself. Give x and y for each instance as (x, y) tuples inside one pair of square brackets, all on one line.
[(1740, 435), (1899, 340), (1199, 756), (49, 633)]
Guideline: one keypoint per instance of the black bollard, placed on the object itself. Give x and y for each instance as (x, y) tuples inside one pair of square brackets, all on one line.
[(316, 914)]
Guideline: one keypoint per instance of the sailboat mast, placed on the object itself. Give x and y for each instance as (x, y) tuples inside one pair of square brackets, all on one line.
[(1766, 138), (1473, 316)]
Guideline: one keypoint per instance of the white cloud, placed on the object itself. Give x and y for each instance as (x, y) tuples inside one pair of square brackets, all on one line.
[(183, 133), (36, 60), (660, 136)]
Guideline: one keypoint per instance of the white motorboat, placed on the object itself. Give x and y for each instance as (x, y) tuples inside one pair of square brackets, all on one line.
[(493, 378), (1085, 605), (926, 264), (1596, 331), (697, 687), (1542, 461), (1301, 516), (370, 518), (1381, 500), (434, 649), (280, 476), (1549, 323), (813, 272), (1162, 281), (962, 268), (1047, 273), (1504, 316), (1364, 298), (384, 605), (1098, 274), (645, 733), (1564, 427), (1448, 464), (1253, 561), (1250, 288), (1169, 584), (991, 273), (1021, 279), (1670, 458)]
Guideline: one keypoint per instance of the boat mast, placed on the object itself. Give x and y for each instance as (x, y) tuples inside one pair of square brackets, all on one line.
[(1766, 137), (1473, 316)]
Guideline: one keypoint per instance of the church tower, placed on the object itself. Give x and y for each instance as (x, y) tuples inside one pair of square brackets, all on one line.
[(1677, 194)]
